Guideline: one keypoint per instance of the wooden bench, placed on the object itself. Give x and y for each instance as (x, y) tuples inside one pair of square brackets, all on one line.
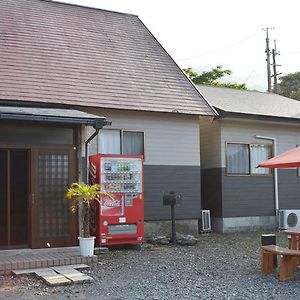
[(288, 261)]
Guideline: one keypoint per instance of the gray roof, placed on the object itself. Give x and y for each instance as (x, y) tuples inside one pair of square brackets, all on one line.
[(251, 102), (47, 114), (67, 54)]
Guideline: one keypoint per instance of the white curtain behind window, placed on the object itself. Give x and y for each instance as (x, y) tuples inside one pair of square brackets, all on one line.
[(109, 141), (258, 154), (237, 158), (133, 142)]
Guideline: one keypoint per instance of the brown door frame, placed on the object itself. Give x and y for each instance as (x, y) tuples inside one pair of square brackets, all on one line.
[(32, 199), (36, 241), (8, 149)]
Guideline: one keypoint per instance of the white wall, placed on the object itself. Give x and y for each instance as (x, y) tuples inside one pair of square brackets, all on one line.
[(170, 139), (287, 135)]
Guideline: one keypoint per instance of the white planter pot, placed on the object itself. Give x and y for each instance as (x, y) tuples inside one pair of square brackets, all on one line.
[(86, 246)]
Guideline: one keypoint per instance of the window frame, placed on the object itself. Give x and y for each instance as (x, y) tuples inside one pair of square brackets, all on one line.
[(122, 130), (249, 159), (122, 140)]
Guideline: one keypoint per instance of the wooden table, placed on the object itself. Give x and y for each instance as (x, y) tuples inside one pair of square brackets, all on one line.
[(294, 241)]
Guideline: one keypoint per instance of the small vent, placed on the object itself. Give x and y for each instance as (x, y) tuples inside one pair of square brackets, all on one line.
[(292, 220), (205, 220)]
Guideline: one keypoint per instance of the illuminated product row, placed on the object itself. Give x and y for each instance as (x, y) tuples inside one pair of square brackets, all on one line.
[(116, 186), (118, 165)]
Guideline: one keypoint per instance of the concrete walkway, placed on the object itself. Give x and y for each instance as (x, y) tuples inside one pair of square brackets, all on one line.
[(41, 258), (57, 276)]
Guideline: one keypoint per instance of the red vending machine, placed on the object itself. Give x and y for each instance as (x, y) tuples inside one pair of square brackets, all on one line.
[(119, 220)]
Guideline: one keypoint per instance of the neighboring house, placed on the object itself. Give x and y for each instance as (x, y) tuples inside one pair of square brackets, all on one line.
[(57, 59), (239, 195)]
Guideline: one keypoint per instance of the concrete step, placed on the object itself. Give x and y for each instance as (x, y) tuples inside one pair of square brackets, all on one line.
[(31, 271), (61, 275), (52, 278), (74, 275)]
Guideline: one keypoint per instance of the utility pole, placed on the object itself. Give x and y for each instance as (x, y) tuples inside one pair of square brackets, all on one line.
[(266, 29), (275, 74)]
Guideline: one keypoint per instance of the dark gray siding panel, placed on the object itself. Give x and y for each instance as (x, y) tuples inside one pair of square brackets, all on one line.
[(245, 196), (211, 191), (181, 179), (288, 189)]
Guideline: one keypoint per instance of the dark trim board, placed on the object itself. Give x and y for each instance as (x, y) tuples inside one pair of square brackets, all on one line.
[(181, 179), (211, 187), (246, 196)]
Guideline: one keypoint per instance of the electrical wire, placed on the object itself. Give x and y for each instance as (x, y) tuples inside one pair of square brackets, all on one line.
[(222, 48)]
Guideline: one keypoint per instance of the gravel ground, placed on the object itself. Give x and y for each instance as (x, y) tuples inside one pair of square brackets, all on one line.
[(218, 267)]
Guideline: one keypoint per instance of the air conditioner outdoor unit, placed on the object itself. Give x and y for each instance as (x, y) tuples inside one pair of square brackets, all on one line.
[(289, 218), (205, 221)]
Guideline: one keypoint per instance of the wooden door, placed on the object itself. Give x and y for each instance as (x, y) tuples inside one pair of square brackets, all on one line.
[(14, 187), (53, 225)]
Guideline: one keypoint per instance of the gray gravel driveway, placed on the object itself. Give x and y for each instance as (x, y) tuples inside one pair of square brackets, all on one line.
[(220, 267)]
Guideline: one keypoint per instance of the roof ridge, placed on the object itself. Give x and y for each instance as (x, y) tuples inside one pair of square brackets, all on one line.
[(87, 7)]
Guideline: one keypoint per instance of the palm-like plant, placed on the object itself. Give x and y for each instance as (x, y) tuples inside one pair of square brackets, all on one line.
[(81, 193)]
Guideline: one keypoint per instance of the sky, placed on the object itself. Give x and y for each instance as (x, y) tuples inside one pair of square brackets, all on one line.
[(203, 34)]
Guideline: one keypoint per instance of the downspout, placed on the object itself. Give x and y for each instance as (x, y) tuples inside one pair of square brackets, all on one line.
[(275, 170), (98, 124)]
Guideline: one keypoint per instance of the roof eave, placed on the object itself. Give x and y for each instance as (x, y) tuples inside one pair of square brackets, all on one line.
[(225, 114), (54, 119)]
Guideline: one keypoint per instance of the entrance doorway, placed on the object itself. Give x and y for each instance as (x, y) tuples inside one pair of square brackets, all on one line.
[(14, 190)]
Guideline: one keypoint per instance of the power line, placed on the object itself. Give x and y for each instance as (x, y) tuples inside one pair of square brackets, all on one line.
[(220, 49)]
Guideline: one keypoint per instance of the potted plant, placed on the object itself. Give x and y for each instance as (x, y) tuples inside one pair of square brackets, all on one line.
[(83, 195)]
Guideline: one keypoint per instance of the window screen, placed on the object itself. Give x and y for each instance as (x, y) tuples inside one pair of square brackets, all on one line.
[(133, 142), (110, 142), (238, 159), (258, 154)]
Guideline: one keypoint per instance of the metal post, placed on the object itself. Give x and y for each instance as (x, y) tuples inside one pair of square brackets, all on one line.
[(173, 233), (269, 239)]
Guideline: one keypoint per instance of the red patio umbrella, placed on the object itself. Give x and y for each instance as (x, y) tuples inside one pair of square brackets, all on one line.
[(288, 159)]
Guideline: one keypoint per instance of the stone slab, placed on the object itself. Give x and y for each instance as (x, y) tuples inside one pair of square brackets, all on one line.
[(56, 280), (76, 266), (74, 275), (52, 278), (27, 271), (32, 271)]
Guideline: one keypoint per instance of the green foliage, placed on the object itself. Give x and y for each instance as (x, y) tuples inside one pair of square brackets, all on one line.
[(211, 78), (290, 85), (80, 193)]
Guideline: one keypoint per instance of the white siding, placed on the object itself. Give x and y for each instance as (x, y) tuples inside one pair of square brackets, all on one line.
[(170, 139), (210, 137), (287, 136)]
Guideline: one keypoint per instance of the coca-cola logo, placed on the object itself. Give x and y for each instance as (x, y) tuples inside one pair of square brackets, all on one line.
[(111, 203)]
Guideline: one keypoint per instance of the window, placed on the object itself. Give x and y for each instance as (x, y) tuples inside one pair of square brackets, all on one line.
[(110, 142), (242, 159), (115, 141)]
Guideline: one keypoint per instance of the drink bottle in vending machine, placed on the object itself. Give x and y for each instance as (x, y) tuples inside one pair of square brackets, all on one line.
[(119, 220)]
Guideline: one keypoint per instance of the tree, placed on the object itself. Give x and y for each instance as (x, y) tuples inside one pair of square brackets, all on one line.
[(289, 85), (211, 78)]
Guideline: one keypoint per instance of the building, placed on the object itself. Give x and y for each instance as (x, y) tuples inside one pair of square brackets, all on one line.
[(251, 125), (64, 69)]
